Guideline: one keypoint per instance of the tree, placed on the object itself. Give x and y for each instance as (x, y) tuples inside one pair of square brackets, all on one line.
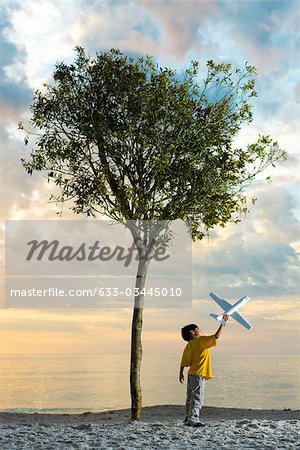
[(123, 137)]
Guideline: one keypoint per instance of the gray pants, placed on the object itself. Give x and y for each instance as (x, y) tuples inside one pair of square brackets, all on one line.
[(194, 398)]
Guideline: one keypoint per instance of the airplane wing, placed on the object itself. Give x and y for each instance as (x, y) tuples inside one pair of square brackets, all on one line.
[(240, 319), (221, 302)]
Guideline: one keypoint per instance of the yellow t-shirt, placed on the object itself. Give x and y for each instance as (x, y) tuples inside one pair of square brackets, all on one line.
[(196, 355)]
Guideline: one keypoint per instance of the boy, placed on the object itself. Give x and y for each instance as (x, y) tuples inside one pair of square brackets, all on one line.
[(196, 356)]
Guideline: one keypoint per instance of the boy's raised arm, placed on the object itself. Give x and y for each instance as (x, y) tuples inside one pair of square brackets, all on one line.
[(218, 332)]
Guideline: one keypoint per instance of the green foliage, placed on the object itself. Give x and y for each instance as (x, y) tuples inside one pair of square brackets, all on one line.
[(124, 137)]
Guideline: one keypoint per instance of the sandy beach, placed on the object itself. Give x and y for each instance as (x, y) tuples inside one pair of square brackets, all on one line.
[(162, 428)]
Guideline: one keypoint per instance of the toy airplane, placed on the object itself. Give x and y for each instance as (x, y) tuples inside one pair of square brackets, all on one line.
[(230, 310)]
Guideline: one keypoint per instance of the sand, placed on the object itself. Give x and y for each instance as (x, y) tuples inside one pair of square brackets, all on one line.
[(162, 428)]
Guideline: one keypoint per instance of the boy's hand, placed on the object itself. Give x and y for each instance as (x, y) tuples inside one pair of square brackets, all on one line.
[(181, 377), (226, 317)]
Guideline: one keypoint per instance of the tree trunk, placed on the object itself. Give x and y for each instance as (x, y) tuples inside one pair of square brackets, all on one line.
[(136, 343)]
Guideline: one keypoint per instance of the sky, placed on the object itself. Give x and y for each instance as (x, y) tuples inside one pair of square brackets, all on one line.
[(259, 257)]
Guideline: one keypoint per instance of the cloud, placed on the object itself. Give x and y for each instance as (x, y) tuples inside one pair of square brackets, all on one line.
[(14, 92), (51, 39), (257, 257), (258, 20), (125, 25), (181, 22), (34, 331), (265, 34), (15, 96)]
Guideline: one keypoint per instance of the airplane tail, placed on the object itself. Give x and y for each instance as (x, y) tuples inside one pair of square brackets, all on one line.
[(219, 319)]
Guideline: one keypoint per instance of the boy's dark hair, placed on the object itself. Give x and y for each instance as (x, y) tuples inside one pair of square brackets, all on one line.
[(186, 331)]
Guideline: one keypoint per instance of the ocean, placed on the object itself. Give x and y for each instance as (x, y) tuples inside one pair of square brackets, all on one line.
[(79, 383)]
